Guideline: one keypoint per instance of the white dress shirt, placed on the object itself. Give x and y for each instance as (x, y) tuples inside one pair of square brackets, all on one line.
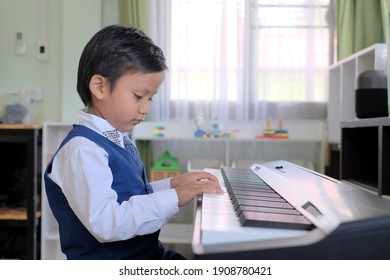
[(81, 170)]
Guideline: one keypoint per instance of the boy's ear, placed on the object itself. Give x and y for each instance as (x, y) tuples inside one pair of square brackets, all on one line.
[(96, 86)]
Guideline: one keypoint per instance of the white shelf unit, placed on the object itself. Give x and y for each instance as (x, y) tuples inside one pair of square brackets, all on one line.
[(52, 135), (305, 142), (342, 85)]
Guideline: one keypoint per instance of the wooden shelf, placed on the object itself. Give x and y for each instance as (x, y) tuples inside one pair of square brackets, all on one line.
[(18, 213), (20, 126)]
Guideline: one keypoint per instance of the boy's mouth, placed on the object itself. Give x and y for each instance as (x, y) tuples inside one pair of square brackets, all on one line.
[(138, 121)]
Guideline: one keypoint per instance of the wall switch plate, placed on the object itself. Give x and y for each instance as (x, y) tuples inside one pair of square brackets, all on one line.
[(20, 45), (42, 50)]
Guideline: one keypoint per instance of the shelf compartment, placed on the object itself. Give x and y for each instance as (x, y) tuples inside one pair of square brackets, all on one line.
[(359, 154), (385, 178), (365, 153)]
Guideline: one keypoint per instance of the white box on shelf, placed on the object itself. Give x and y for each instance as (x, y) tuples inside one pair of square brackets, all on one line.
[(17, 108)]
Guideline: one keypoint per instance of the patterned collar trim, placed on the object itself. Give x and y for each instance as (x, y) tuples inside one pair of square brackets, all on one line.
[(114, 136)]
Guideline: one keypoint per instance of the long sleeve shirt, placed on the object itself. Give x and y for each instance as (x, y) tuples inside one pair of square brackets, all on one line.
[(81, 170)]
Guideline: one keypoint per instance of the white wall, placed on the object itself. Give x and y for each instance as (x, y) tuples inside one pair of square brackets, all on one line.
[(70, 24), (81, 19)]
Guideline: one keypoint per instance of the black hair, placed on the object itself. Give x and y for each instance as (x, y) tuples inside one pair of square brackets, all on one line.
[(114, 51)]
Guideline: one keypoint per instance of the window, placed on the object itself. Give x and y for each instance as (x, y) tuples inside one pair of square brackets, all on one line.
[(205, 39), (204, 46), (245, 59), (290, 43)]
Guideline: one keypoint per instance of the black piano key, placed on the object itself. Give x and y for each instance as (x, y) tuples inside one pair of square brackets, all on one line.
[(267, 210), (249, 186), (272, 220), (251, 189), (240, 178), (255, 194), (260, 199), (255, 179), (271, 204)]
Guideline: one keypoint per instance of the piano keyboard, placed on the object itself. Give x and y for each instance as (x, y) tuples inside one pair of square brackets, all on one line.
[(257, 205)]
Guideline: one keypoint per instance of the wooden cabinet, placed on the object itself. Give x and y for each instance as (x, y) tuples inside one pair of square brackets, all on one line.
[(20, 150)]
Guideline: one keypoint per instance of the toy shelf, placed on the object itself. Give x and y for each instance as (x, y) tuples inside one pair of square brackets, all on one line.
[(305, 142)]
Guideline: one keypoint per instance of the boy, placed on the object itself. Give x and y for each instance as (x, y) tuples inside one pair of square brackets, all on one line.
[(96, 184)]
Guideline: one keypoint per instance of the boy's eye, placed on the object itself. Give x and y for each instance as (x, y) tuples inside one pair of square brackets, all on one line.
[(138, 97)]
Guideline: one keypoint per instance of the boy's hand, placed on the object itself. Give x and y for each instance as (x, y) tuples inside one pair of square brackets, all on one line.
[(190, 185), (192, 177)]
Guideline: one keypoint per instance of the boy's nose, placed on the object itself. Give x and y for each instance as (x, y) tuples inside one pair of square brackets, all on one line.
[(144, 108)]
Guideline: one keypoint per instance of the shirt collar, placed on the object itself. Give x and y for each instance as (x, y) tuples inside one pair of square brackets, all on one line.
[(101, 126)]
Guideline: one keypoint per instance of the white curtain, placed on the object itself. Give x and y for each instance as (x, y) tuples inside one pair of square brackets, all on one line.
[(239, 60)]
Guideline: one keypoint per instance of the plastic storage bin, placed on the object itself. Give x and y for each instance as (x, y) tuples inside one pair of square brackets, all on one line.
[(17, 108)]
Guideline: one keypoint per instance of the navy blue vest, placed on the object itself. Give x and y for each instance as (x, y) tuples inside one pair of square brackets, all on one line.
[(76, 241)]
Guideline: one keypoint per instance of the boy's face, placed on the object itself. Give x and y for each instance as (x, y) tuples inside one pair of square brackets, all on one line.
[(128, 103)]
